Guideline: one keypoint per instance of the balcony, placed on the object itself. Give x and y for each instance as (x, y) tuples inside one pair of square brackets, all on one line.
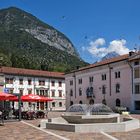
[(90, 93)]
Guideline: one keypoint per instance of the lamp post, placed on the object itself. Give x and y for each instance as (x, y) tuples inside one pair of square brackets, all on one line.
[(19, 104), (70, 98)]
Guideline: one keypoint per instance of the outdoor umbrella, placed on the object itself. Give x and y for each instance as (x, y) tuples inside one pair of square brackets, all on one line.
[(5, 96), (32, 98)]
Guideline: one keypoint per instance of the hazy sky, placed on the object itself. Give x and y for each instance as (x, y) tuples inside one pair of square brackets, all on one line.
[(95, 27)]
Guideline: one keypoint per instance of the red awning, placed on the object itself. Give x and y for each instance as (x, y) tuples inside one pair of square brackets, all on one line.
[(32, 98), (6, 96)]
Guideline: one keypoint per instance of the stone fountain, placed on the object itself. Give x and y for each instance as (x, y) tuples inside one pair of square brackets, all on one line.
[(90, 118), (97, 113)]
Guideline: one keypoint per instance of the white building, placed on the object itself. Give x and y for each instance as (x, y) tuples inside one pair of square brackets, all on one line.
[(115, 82), (44, 83)]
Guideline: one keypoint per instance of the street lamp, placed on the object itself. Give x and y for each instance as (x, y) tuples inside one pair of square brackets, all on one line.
[(19, 104)]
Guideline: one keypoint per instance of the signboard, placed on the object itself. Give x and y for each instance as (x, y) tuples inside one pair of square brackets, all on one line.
[(6, 90)]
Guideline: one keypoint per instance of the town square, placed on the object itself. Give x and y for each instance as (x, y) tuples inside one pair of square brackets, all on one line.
[(69, 70)]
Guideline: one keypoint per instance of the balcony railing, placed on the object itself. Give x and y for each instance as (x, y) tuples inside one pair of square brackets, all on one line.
[(90, 93)]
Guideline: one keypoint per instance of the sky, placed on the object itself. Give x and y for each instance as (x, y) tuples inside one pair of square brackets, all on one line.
[(95, 27)]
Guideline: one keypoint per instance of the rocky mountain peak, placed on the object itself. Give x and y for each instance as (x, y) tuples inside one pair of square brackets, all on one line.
[(16, 18), (110, 55)]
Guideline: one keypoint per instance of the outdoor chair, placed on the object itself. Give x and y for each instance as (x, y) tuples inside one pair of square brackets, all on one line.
[(16, 113), (40, 114), (31, 115), (24, 115)]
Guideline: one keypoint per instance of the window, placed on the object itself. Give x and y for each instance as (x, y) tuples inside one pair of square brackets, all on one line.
[(71, 83), (60, 84), (103, 89), (117, 88), (53, 93), (9, 80), (136, 63), (37, 92), (29, 81), (137, 72), (80, 81), (46, 93), (91, 79), (80, 102), (21, 81), (60, 93), (89, 92), (137, 105), (42, 82), (117, 74), (53, 83), (118, 102), (42, 92), (21, 91), (71, 103), (71, 92), (137, 88), (29, 91), (103, 76), (11, 91), (60, 104), (80, 92), (53, 104)]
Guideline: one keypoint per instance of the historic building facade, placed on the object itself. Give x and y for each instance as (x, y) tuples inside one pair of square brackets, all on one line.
[(44, 83), (115, 82)]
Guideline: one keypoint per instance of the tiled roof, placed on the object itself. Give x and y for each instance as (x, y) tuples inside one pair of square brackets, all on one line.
[(29, 72), (104, 62)]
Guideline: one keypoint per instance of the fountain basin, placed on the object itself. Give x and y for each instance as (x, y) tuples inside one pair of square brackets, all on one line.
[(61, 124), (93, 118), (85, 119)]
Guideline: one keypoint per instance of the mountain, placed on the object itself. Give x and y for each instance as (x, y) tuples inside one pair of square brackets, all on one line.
[(27, 42), (110, 55)]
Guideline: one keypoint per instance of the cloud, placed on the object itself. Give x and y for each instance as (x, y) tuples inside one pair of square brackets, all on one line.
[(97, 49)]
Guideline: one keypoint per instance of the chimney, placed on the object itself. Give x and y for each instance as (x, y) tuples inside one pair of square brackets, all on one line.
[(131, 53)]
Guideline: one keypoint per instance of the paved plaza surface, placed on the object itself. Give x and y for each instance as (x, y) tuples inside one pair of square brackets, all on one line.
[(29, 130)]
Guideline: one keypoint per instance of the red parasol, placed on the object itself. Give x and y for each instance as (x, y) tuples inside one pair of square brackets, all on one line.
[(32, 98), (5, 96)]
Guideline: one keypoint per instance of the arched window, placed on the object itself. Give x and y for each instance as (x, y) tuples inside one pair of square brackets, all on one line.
[(104, 102), (91, 102), (118, 102), (71, 103), (80, 102)]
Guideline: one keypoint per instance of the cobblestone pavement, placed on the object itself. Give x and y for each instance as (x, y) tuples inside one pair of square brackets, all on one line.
[(21, 131)]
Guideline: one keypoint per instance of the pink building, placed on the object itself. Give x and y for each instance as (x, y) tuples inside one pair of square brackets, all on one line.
[(115, 82)]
